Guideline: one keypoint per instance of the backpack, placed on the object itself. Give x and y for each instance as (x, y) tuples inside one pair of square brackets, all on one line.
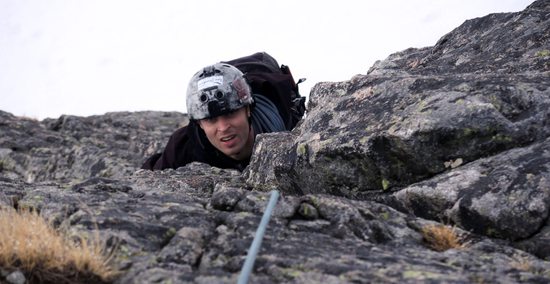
[(266, 77)]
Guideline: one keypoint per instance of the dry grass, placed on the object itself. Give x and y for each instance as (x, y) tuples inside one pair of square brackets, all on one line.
[(441, 238), (522, 264), (45, 255), (527, 265)]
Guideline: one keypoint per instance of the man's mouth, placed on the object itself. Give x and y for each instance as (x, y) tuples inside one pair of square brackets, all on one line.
[(225, 139)]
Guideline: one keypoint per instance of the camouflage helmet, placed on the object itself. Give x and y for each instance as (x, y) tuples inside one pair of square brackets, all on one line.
[(217, 90)]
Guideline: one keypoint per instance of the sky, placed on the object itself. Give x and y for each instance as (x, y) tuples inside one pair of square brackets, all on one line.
[(83, 58)]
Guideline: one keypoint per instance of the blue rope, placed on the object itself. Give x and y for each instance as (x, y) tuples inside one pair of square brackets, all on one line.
[(257, 242), (265, 116)]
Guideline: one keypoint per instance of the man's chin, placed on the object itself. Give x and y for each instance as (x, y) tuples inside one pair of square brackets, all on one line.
[(233, 155)]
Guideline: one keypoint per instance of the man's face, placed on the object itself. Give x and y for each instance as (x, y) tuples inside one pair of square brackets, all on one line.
[(230, 133)]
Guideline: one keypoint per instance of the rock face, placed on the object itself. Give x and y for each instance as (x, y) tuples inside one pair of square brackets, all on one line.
[(454, 134), (457, 132), (71, 149)]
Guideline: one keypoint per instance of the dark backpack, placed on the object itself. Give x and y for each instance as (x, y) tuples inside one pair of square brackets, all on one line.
[(266, 77)]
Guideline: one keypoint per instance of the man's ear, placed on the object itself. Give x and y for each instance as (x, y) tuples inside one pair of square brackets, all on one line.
[(200, 124), (248, 111)]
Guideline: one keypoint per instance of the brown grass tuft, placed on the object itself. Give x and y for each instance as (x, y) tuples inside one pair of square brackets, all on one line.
[(441, 238), (522, 264), (30, 244)]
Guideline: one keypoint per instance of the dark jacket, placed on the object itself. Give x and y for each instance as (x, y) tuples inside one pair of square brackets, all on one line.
[(189, 144)]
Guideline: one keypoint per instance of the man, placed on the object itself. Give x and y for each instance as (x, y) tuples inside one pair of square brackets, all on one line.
[(225, 117)]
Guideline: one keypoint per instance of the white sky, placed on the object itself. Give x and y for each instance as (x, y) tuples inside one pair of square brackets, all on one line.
[(90, 57)]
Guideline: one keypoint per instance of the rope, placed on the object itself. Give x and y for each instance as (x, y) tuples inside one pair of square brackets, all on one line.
[(257, 242), (265, 116)]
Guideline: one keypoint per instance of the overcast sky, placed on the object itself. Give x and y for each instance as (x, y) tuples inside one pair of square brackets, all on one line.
[(90, 57)]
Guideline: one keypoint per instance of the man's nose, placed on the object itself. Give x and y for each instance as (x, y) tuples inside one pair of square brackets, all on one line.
[(223, 124)]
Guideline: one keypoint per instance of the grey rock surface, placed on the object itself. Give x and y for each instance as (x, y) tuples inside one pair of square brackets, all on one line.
[(456, 134)]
